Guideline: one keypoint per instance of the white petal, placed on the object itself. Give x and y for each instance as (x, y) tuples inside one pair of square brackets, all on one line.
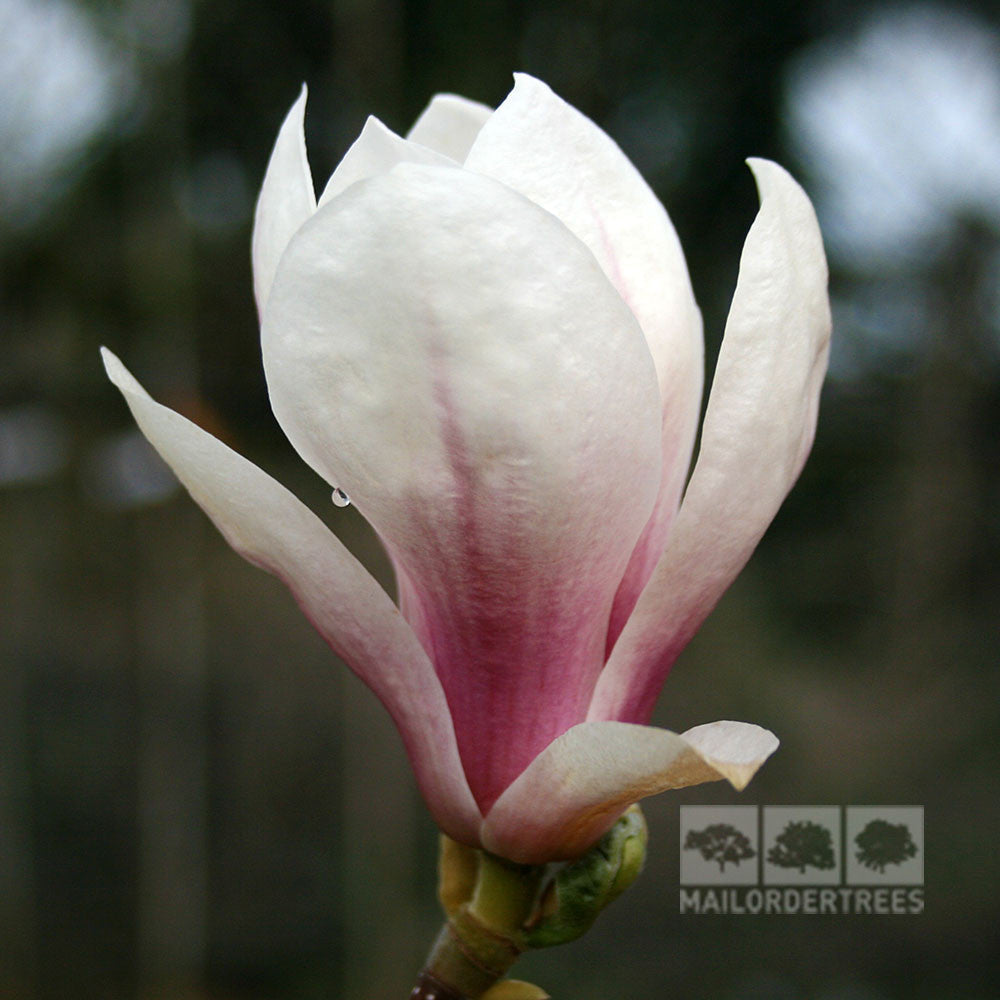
[(377, 150), (758, 430), (450, 124), (286, 200), (453, 357), (268, 526), (580, 784), (539, 145)]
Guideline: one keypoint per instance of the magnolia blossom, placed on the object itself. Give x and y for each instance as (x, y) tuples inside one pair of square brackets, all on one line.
[(484, 334)]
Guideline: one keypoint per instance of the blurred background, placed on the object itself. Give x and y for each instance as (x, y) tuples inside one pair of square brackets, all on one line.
[(195, 800)]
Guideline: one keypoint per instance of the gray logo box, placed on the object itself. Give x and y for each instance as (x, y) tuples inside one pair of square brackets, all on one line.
[(884, 845), (801, 845), (719, 845)]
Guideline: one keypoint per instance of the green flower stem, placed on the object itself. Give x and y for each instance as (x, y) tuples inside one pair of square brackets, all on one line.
[(483, 937), (497, 910), (504, 893)]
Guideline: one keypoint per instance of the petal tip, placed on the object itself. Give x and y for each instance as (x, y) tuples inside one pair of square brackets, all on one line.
[(736, 750), (119, 375), (295, 117), (298, 108), (769, 176), (375, 124), (525, 81)]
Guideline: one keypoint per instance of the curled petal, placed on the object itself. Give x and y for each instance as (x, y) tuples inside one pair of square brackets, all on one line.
[(269, 527), (758, 430), (450, 124), (377, 150), (582, 782), (539, 145), (452, 356), (286, 200)]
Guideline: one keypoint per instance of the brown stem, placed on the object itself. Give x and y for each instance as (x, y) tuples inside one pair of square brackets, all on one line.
[(428, 988)]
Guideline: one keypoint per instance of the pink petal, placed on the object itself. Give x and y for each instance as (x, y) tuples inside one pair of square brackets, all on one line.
[(582, 782), (758, 431), (286, 200), (452, 356), (539, 145), (272, 529)]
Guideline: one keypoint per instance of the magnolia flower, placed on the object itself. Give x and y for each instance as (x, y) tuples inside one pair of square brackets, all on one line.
[(484, 334)]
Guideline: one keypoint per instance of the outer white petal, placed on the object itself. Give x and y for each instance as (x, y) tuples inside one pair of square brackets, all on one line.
[(452, 356), (450, 125), (268, 526), (377, 150), (758, 430), (539, 145), (579, 785), (286, 200)]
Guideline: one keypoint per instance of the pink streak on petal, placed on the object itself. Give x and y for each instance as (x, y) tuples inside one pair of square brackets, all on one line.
[(517, 644), (637, 703), (653, 540), (645, 555)]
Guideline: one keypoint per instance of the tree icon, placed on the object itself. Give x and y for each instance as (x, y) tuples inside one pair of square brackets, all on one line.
[(721, 843), (803, 844), (883, 843)]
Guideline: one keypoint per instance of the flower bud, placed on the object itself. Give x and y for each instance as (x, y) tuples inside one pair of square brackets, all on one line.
[(579, 891)]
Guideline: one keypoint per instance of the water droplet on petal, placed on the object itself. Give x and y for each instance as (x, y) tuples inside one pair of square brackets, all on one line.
[(340, 498)]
